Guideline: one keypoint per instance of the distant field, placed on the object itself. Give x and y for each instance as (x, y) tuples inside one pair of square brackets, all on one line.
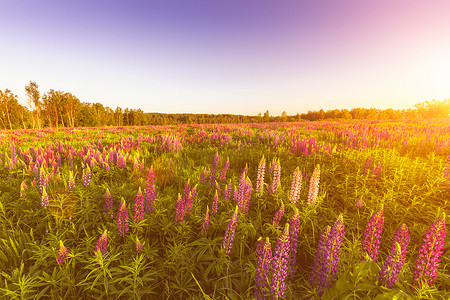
[(352, 210)]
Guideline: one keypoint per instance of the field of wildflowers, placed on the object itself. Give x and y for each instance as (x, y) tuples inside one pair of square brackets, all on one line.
[(331, 210)]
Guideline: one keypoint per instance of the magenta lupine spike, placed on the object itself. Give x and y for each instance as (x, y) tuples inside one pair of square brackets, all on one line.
[(223, 173), (359, 203), (71, 181), (62, 253), (230, 232), (314, 186), (372, 236), (138, 207), (275, 177), (44, 198), (260, 176), (188, 204), (43, 180), (87, 176), (393, 265), (139, 247), (278, 215), (280, 263), (203, 176), (227, 191), (186, 190), (263, 263), (205, 224), (218, 188), (109, 203), (294, 228), (215, 203), (212, 175), (122, 218), (179, 210), (102, 243), (194, 192), (320, 257), (333, 253), (430, 252), (245, 171), (296, 187)]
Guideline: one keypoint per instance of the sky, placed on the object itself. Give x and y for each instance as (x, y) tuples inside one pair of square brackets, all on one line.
[(233, 56)]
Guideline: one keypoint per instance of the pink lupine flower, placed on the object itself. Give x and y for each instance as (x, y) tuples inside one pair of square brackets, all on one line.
[(44, 198), (296, 187), (430, 252), (227, 191), (264, 260), (280, 263), (203, 176), (122, 218), (212, 175), (109, 203), (223, 173), (101, 246), (230, 232), (139, 247), (260, 176), (278, 215), (138, 207), (205, 224), (359, 203), (372, 235), (320, 257), (215, 203), (314, 186), (62, 253), (275, 177), (179, 210)]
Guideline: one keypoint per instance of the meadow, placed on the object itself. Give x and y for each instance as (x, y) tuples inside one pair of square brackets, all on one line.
[(310, 210)]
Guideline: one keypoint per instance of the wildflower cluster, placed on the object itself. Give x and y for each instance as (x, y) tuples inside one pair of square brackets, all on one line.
[(122, 219), (109, 203), (276, 167), (263, 263), (314, 186), (372, 235), (260, 177), (62, 253), (229, 233), (101, 246), (294, 194), (138, 207), (223, 173), (280, 263)]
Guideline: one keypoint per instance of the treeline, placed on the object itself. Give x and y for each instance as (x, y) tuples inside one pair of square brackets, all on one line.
[(62, 109)]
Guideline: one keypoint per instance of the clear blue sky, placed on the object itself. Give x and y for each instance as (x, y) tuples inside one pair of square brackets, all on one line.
[(240, 57)]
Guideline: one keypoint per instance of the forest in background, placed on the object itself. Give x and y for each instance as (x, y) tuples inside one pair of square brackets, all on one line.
[(63, 109)]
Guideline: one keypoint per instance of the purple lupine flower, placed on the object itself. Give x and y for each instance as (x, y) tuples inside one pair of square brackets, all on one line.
[(87, 176), (260, 176), (62, 253), (230, 232), (188, 204), (372, 235), (203, 176), (139, 247), (186, 190), (296, 187), (275, 177), (223, 173), (44, 198), (359, 203), (294, 228), (278, 215), (226, 192), (280, 263), (247, 194), (320, 257), (332, 256), (150, 191), (122, 218), (138, 207), (109, 203), (71, 181), (215, 203), (391, 268), (314, 186), (212, 175), (430, 252), (402, 238), (101, 246), (205, 224), (264, 260), (43, 179)]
